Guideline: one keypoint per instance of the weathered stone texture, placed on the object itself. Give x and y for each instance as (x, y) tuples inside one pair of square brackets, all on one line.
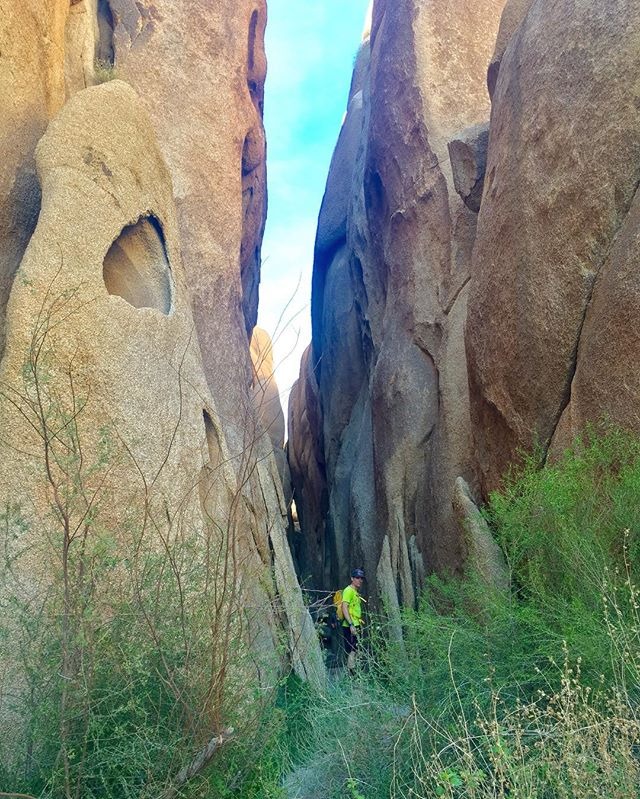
[(32, 90), (47, 52), (112, 347), (392, 260), (562, 171)]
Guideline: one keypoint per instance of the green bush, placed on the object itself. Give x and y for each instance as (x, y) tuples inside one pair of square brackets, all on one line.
[(124, 657), (531, 693)]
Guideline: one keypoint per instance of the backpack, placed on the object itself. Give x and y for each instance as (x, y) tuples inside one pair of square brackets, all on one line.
[(337, 601)]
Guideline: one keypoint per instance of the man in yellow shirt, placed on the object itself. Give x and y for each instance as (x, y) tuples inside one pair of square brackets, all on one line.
[(352, 616)]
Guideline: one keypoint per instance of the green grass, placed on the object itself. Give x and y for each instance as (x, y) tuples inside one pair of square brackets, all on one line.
[(527, 694), (531, 694)]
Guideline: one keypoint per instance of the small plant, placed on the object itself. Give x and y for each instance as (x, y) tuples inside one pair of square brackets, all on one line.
[(104, 71)]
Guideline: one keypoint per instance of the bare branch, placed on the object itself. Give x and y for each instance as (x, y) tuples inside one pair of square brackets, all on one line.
[(197, 765)]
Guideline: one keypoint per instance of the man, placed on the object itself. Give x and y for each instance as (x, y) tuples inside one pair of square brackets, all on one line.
[(352, 616)]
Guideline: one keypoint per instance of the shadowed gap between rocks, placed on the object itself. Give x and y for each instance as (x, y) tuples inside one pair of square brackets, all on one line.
[(105, 50)]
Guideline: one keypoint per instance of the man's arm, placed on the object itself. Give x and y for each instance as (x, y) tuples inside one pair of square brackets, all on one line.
[(347, 615)]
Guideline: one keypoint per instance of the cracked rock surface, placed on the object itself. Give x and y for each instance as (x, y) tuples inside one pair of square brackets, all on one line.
[(562, 170)]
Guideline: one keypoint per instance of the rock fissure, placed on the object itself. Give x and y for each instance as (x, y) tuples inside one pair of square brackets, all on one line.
[(456, 295), (587, 306)]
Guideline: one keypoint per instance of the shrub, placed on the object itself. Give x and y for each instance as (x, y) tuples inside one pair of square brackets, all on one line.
[(124, 658), (530, 694), (104, 71)]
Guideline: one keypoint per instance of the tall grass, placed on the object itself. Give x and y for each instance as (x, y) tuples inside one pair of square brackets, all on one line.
[(521, 694), (531, 693)]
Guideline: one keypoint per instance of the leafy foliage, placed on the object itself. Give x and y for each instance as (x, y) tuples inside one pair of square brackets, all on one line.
[(531, 693)]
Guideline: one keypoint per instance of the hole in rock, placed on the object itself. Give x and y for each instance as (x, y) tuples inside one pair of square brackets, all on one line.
[(137, 268)]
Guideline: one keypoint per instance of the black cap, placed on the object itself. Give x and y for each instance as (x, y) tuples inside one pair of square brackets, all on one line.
[(357, 573)]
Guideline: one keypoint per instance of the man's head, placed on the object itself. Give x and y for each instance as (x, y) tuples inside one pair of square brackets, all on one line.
[(357, 577)]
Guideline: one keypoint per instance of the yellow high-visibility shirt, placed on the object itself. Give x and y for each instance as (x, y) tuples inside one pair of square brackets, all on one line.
[(354, 600)]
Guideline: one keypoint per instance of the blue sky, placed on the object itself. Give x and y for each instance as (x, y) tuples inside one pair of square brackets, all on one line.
[(311, 48)]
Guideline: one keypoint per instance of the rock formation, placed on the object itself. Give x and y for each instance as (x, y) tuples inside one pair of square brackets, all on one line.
[(520, 229), (554, 248), (208, 121), (390, 419), (127, 319)]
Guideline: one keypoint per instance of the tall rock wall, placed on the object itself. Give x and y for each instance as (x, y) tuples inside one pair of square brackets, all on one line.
[(475, 279), (390, 284), (126, 400), (550, 333), (199, 69)]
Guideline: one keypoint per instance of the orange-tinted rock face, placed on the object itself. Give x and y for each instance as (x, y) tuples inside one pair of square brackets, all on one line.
[(389, 296), (149, 231), (199, 68), (562, 170), (32, 90)]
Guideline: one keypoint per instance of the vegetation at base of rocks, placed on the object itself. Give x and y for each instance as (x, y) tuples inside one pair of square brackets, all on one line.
[(104, 71), (532, 693), (125, 663), (128, 658)]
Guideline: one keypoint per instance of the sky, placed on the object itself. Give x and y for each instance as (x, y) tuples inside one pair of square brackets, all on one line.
[(311, 47)]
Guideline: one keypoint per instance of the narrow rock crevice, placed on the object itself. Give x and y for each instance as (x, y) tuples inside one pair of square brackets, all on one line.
[(567, 393), (105, 50)]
